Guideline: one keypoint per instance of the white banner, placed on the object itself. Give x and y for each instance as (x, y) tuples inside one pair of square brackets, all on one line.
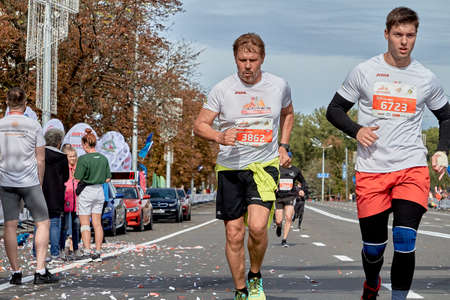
[(74, 136), (112, 145)]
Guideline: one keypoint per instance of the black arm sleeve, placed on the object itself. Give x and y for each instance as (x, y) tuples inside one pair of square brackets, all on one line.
[(443, 115), (337, 115), (302, 180)]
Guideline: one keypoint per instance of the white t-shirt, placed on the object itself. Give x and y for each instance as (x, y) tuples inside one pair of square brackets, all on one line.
[(28, 113), (394, 99), (255, 111), (19, 137)]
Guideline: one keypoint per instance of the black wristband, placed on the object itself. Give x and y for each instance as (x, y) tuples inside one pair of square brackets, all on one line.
[(285, 146)]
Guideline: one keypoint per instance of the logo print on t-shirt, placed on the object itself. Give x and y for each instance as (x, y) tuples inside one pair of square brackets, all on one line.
[(255, 107)]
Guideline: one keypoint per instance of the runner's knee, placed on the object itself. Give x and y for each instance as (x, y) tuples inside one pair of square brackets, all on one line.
[(257, 231), (373, 252), (404, 239)]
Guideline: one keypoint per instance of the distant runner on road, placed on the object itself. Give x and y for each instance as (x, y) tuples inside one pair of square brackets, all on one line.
[(252, 106), (392, 90), (299, 206), (286, 195)]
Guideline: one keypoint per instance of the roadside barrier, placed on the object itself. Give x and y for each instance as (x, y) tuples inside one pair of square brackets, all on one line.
[(444, 204), (202, 198)]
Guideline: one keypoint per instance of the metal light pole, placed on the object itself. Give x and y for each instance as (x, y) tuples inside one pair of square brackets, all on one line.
[(323, 171), (47, 78), (135, 109), (346, 174), (323, 168), (168, 157), (319, 144)]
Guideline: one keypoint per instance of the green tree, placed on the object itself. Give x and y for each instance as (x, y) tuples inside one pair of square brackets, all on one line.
[(309, 158)]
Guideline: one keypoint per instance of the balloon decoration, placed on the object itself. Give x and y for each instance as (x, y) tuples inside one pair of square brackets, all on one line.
[(53, 123), (112, 145), (74, 136)]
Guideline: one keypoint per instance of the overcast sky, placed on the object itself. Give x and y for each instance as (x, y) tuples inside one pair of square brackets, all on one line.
[(313, 44)]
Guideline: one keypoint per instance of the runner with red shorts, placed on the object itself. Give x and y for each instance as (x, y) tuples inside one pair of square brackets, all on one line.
[(392, 90)]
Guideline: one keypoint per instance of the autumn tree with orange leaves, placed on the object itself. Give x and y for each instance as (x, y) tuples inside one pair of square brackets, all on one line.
[(116, 50)]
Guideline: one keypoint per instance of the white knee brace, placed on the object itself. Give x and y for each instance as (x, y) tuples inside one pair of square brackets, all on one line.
[(85, 228)]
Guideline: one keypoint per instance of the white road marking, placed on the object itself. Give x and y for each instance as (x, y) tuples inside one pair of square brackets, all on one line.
[(332, 215), (425, 232), (343, 258), (429, 212), (411, 294), (319, 244), (79, 263), (305, 236)]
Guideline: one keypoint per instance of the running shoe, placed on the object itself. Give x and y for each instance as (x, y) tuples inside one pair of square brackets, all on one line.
[(238, 295), (96, 257), (278, 230), (370, 293), (46, 278), (255, 289), (16, 278), (284, 243)]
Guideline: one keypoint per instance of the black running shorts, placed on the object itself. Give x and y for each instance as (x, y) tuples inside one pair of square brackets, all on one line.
[(237, 190), (282, 202)]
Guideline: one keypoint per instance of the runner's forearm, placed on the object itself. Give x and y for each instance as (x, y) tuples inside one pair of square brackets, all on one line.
[(207, 132), (286, 124)]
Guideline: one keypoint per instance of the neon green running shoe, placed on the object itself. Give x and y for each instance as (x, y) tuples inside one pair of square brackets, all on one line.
[(240, 296), (255, 289)]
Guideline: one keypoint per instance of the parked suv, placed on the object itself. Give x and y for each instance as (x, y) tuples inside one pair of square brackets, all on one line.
[(185, 203), (166, 203)]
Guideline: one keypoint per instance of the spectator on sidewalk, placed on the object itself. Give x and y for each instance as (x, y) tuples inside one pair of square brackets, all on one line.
[(56, 174), (22, 166), (92, 171), (70, 222)]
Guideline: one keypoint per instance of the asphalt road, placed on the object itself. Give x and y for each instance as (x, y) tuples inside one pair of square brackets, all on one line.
[(187, 261)]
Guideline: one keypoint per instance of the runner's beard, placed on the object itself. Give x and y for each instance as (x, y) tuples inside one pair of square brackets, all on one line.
[(249, 77)]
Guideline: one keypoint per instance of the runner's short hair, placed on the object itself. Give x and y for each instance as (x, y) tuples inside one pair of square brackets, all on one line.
[(54, 137), (16, 97), (401, 15), (249, 41)]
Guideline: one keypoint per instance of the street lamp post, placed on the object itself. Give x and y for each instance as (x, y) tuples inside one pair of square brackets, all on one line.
[(323, 170), (346, 174), (318, 144)]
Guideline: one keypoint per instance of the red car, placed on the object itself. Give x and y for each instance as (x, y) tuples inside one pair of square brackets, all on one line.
[(185, 203), (139, 207)]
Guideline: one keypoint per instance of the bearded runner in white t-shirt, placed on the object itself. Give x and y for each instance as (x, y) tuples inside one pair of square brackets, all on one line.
[(253, 108), (391, 91)]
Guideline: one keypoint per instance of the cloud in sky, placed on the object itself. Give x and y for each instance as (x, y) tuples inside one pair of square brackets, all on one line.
[(311, 43)]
